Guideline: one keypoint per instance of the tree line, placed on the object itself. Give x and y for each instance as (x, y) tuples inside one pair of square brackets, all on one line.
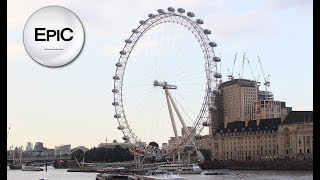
[(119, 154), (102, 154)]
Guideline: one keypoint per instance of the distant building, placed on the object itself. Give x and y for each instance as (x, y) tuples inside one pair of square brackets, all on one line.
[(29, 146), (273, 138), (173, 140), (239, 96), (114, 144), (63, 150), (268, 109), (164, 145), (183, 133), (38, 146), (204, 142), (265, 96), (84, 149)]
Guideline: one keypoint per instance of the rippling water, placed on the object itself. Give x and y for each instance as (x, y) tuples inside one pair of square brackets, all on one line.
[(63, 174)]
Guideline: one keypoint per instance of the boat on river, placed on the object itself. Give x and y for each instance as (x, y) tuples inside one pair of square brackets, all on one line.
[(31, 168), (181, 168), (160, 174), (218, 172)]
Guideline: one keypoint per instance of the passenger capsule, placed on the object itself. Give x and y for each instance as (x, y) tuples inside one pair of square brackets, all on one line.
[(199, 21), (135, 31), (120, 127), (212, 44), (198, 136), (171, 9), (216, 91), (212, 108), (142, 22), (128, 41), (190, 14), (125, 138), (205, 124), (151, 15), (115, 90), (117, 116), (217, 75), (207, 31), (216, 59), (181, 10), (116, 77), (123, 52), (161, 11), (119, 64), (115, 103)]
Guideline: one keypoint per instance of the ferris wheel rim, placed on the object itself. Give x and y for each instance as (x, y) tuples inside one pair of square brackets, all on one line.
[(207, 51)]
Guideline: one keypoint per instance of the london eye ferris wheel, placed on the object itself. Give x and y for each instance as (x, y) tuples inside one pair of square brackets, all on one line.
[(167, 73)]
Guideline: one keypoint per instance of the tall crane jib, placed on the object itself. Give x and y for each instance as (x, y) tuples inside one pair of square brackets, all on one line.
[(230, 76), (266, 79), (253, 76)]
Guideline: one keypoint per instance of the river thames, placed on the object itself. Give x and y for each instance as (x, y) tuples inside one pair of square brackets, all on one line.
[(63, 174)]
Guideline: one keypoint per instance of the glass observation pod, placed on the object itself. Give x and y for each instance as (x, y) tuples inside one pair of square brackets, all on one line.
[(206, 123), (181, 10), (215, 91), (115, 103), (199, 21), (216, 59), (207, 31), (117, 116), (119, 64), (151, 15), (171, 9), (142, 22), (212, 108), (135, 31), (120, 127), (190, 14), (128, 41), (161, 11), (212, 44), (217, 75), (116, 77), (198, 136), (125, 138), (115, 90), (123, 52)]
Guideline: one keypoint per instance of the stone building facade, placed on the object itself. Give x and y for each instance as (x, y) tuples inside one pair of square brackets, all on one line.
[(291, 137)]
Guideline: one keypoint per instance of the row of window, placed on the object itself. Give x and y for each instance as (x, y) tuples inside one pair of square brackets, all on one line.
[(258, 152), (250, 142), (250, 147), (251, 137)]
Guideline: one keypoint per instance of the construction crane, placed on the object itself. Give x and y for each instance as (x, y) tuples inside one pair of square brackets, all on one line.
[(220, 81), (266, 79), (8, 131), (243, 58), (256, 80), (230, 76)]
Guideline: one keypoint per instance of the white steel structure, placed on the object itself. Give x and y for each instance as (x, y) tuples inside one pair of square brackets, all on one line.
[(212, 76)]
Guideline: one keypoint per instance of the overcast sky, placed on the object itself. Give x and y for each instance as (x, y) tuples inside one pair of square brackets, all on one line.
[(72, 104)]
